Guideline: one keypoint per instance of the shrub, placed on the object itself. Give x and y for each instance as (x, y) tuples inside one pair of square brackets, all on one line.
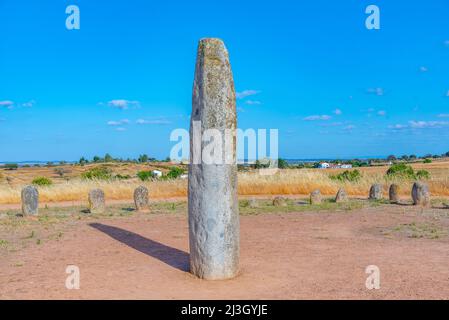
[(400, 170), (422, 174), (145, 175), (282, 164), (174, 173), (99, 173), (11, 166), (347, 175), (427, 161), (122, 177), (42, 181), (61, 172)]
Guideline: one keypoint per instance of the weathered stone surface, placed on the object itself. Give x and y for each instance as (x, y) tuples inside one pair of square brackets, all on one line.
[(315, 197), (421, 194), (30, 201), (375, 192), (341, 196), (141, 198), (214, 227), (394, 193), (279, 202), (96, 201)]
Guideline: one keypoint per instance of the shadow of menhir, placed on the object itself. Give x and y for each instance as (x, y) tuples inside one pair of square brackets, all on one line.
[(173, 257)]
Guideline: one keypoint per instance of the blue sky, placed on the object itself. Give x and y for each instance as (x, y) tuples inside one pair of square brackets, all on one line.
[(311, 69)]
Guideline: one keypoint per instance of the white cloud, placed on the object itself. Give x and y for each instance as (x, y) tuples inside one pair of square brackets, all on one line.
[(153, 121), (376, 91), (120, 129), (253, 102), (381, 113), (118, 123), (29, 104), (332, 124), (428, 124), (317, 117), (443, 115), (423, 69), (7, 104), (420, 125), (123, 104), (398, 126), (246, 93), (338, 112)]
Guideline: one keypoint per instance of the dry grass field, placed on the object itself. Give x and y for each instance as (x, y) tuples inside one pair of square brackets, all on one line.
[(72, 187)]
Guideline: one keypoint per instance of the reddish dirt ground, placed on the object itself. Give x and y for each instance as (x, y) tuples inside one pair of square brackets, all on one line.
[(283, 256)]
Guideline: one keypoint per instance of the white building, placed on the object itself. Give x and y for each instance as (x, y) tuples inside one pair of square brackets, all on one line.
[(156, 173), (346, 166), (324, 165)]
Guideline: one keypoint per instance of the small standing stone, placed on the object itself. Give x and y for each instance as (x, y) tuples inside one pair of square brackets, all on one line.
[(30, 201), (315, 197), (141, 198), (279, 202), (421, 194), (96, 201), (394, 193), (252, 203), (375, 193), (341, 196)]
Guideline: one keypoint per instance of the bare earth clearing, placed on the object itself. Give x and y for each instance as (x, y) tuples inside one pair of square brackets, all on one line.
[(294, 252)]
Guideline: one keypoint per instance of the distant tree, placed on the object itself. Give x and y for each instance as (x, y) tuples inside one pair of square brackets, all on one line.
[(282, 164), (143, 158), (61, 172), (316, 165), (412, 157), (391, 158), (96, 159), (108, 158), (405, 157), (167, 159), (11, 166), (83, 161), (447, 154)]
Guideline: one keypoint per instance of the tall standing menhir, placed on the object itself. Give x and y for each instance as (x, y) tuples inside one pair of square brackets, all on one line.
[(214, 228)]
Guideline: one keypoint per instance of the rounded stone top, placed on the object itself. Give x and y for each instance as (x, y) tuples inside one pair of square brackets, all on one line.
[(212, 41), (213, 48)]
